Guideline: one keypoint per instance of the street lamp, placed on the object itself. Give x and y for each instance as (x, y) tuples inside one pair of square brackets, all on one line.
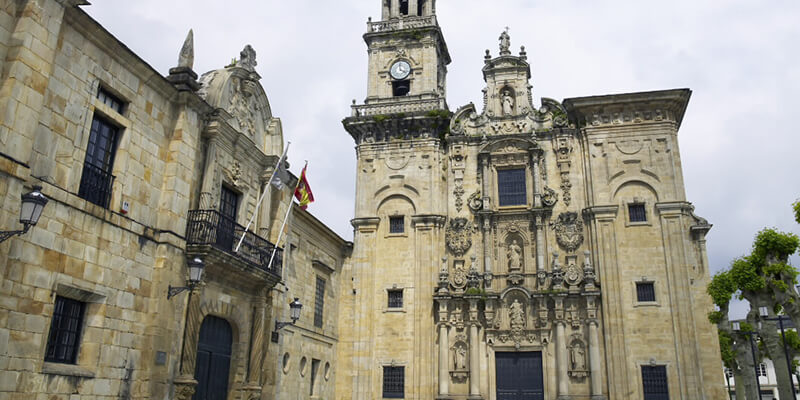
[(196, 267), (32, 205), (294, 313), (764, 313), (737, 328)]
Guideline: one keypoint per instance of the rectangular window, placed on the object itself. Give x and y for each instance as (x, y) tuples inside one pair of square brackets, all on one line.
[(762, 369), (394, 382), (396, 298), (637, 213), (511, 187), (314, 371), (654, 382), (645, 291), (403, 7), (228, 209), (65, 331), (228, 203), (110, 100), (396, 224), (319, 302), (96, 178)]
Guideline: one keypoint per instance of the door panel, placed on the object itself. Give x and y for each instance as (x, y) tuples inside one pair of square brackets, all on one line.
[(213, 359), (519, 375)]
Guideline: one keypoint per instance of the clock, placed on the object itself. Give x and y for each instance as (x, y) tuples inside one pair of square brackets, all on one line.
[(400, 69)]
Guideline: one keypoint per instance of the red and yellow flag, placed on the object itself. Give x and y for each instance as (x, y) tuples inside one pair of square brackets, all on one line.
[(303, 192)]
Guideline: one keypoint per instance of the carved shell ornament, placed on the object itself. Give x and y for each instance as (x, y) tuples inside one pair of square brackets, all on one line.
[(458, 236), (569, 231)]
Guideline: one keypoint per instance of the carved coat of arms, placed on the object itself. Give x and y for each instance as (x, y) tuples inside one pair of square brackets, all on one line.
[(569, 231), (458, 236)]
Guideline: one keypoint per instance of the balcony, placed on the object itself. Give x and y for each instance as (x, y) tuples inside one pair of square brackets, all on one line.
[(398, 106), (402, 23), (214, 236), (96, 185)]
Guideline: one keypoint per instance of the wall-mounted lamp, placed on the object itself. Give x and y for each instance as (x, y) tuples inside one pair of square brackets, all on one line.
[(196, 267), (294, 313), (32, 205)]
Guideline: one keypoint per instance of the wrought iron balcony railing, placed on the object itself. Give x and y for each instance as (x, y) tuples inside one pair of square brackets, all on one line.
[(96, 185), (209, 227)]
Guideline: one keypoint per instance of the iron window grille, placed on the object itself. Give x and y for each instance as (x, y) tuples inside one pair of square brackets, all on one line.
[(396, 224), (96, 178), (654, 382), (396, 299), (762, 369), (319, 302), (65, 331), (394, 382), (645, 291), (637, 213), (511, 187)]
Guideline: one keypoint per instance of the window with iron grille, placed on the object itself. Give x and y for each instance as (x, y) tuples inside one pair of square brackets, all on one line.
[(762, 369), (654, 382), (319, 302), (645, 291), (396, 224), (65, 331), (396, 298), (96, 178), (394, 379), (511, 187), (637, 213)]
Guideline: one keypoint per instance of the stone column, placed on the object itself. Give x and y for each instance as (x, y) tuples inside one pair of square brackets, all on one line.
[(485, 182), (412, 7), (209, 170), (487, 245), (537, 185), (561, 361), (185, 383), (474, 362), (539, 243), (594, 362), (257, 344), (444, 362)]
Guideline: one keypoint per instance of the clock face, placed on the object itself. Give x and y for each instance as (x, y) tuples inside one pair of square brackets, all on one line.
[(400, 70)]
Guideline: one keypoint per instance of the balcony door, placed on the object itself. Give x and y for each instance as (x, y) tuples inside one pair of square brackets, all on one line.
[(213, 359), (228, 209)]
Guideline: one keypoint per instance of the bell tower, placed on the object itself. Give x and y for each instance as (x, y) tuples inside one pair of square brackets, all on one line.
[(387, 332)]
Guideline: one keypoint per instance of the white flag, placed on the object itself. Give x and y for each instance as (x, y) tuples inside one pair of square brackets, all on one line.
[(281, 176)]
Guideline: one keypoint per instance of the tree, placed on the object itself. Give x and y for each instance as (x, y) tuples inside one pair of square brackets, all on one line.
[(765, 279)]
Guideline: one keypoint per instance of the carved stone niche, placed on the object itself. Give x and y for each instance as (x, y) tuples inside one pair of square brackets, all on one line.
[(459, 370), (578, 366)]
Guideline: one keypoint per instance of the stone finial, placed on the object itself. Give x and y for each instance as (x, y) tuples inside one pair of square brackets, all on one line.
[(505, 43), (186, 56), (522, 53), (247, 58)]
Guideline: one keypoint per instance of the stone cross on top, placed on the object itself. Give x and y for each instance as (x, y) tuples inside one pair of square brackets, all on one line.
[(505, 43)]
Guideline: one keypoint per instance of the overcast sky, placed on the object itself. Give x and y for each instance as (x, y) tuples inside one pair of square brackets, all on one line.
[(739, 142)]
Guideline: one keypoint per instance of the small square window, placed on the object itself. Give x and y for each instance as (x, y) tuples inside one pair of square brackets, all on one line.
[(65, 331), (110, 100), (396, 224), (394, 382), (762, 369), (645, 291), (396, 298), (637, 213)]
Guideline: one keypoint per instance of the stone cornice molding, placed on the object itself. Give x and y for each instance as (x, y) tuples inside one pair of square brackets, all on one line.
[(629, 108), (365, 225), (428, 221), (673, 208), (600, 213)]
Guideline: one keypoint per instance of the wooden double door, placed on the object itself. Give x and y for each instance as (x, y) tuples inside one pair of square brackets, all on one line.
[(519, 375), (213, 359)]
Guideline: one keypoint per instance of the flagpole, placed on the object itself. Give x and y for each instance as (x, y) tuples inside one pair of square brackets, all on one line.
[(285, 218), (260, 198)]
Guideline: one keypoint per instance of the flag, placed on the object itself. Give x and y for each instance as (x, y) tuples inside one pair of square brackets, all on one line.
[(303, 192), (281, 176)]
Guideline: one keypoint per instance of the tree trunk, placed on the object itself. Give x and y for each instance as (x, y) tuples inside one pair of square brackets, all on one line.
[(774, 345), (746, 374)]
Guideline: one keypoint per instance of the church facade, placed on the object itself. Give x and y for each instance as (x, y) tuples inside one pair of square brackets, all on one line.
[(510, 251)]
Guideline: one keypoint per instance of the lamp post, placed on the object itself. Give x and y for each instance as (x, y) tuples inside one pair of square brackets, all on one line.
[(196, 267), (33, 203), (737, 328), (764, 313), (294, 313)]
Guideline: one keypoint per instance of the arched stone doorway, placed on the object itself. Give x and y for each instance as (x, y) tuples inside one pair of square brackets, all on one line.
[(213, 359)]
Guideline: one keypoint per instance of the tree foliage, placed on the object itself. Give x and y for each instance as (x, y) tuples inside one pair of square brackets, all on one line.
[(721, 288), (796, 207)]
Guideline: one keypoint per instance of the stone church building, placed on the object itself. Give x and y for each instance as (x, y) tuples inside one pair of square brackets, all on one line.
[(512, 250)]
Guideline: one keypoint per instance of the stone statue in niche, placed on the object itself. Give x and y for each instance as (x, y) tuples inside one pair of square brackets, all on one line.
[(460, 358), (514, 256), (578, 358), (517, 315), (508, 102)]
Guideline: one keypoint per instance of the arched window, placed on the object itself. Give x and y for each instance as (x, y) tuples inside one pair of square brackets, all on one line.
[(403, 7)]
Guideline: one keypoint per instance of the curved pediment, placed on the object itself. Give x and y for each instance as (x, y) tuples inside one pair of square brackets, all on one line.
[(509, 145), (236, 89)]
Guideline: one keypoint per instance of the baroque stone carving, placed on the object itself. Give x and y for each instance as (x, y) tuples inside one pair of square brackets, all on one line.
[(514, 256), (458, 192), (474, 202), (505, 42), (459, 275), (234, 174), (569, 231), (577, 358), (458, 236), (460, 356), (549, 197), (248, 58)]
